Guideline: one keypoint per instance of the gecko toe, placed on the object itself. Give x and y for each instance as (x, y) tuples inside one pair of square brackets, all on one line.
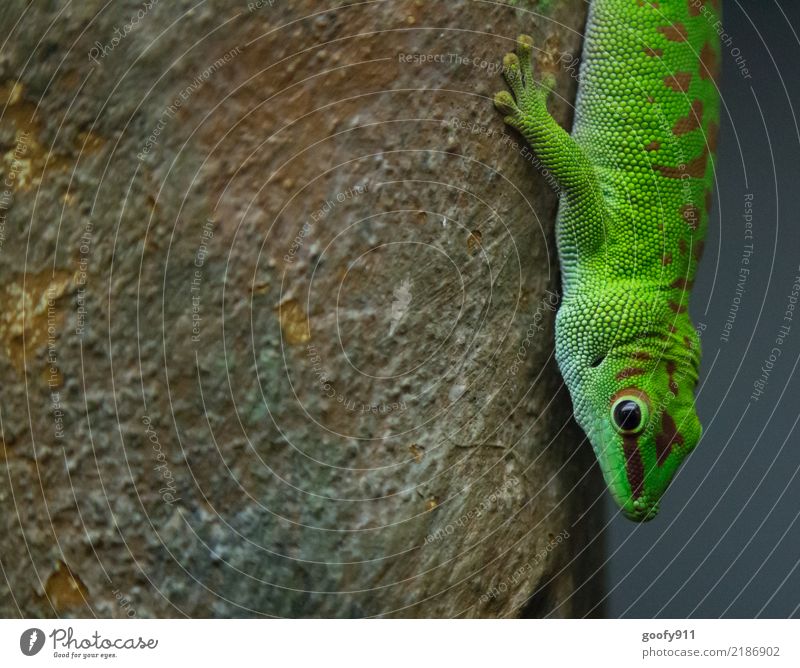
[(511, 61), (513, 75), (524, 47), (505, 104)]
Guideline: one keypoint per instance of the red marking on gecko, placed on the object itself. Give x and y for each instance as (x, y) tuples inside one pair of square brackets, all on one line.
[(694, 168), (674, 33), (673, 386), (712, 134), (679, 82), (696, 6), (708, 62), (634, 467), (630, 372), (698, 250), (692, 120), (681, 284), (677, 308), (669, 435)]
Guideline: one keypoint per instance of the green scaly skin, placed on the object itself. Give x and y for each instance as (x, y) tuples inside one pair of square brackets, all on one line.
[(636, 178)]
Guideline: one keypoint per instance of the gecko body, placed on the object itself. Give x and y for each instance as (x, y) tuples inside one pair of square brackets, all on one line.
[(636, 178)]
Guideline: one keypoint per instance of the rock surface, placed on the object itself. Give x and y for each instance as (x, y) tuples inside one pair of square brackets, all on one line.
[(278, 295)]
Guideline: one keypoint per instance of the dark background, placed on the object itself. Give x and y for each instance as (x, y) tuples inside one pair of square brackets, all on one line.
[(727, 542)]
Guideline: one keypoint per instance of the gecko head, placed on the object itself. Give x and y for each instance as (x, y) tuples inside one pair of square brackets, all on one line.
[(645, 435), (638, 411)]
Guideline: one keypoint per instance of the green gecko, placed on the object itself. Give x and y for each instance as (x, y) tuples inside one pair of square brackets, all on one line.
[(635, 179)]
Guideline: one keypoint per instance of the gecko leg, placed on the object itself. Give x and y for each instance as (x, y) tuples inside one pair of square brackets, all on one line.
[(583, 210), (527, 111)]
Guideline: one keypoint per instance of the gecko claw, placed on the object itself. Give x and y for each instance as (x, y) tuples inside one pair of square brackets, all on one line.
[(505, 104)]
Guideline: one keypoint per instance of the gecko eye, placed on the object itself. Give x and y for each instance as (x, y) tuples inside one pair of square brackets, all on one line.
[(629, 414)]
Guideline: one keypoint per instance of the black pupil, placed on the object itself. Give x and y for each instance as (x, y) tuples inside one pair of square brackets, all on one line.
[(627, 415)]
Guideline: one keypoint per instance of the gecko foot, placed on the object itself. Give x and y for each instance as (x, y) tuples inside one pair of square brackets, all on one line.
[(529, 98)]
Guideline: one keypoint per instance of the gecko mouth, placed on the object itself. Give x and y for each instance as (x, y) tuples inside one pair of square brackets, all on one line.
[(638, 509), (634, 502), (643, 510)]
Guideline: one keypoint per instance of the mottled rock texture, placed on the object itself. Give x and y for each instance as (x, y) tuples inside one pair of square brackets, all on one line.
[(277, 305)]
